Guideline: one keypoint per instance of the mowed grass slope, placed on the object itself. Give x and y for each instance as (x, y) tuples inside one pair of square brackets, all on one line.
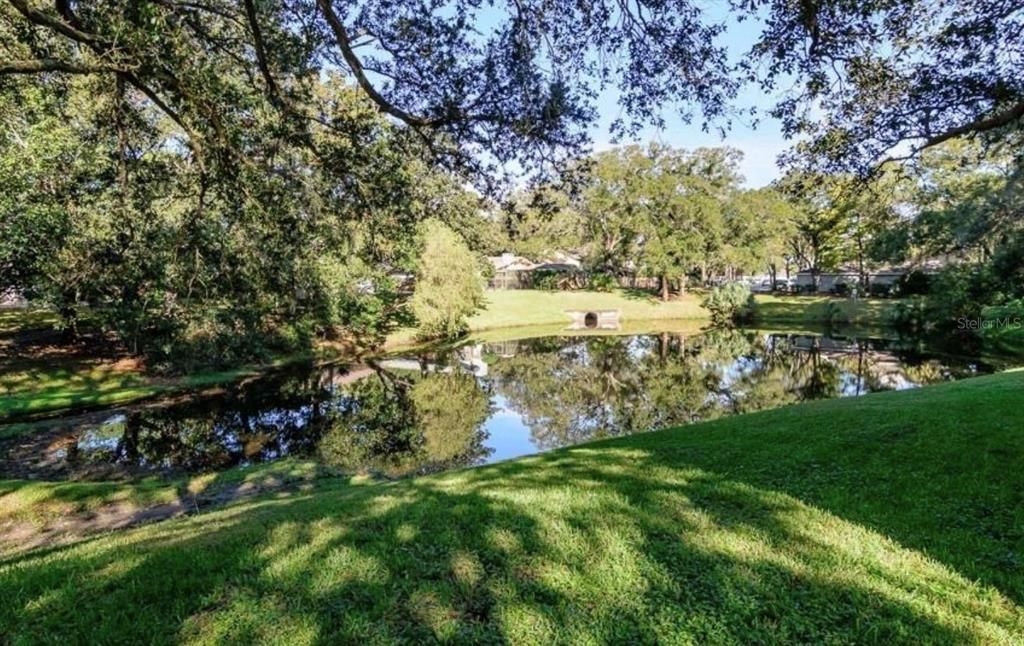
[(523, 307), (824, 309), (892, 518)]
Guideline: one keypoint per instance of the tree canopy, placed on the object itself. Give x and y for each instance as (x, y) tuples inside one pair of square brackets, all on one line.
[(219, 179), (519, 81)]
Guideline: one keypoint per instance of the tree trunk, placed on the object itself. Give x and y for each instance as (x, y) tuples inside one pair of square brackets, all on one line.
[(664, 288)]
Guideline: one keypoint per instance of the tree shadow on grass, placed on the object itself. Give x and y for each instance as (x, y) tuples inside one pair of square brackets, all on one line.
[(598, 545)]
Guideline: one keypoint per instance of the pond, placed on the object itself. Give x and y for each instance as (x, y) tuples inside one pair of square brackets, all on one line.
[(478, 403)]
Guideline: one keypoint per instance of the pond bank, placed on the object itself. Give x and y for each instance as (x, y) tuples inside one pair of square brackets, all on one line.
[(58, 383), (487, 400), (692, 534)]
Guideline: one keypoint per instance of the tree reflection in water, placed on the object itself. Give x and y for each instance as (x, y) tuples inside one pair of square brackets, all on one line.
[(445, 409), (598, 387)]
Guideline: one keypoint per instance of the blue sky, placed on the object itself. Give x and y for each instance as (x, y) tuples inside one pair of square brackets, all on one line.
[(760, 145)]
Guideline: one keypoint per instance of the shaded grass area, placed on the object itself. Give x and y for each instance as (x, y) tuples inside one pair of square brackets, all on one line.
[(40, 502), (824, 309), (16, 320), (49, 378), (45, 388), (891, 518)]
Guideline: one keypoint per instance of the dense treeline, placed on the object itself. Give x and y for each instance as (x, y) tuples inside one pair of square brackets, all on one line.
[(101, 211), (683, 217)]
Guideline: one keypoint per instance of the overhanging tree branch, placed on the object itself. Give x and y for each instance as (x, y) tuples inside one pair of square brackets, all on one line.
[(355, 65), (261, 52), (70, 28), (993, 122), (997, 120), (54, 65), (46, 20)]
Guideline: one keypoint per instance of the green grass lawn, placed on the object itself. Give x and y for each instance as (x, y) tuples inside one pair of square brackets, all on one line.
[(52, 387), (823, 309), (891, 518), (523, 307), (38, 502), (530, 308), (13, 321), (59, 380)]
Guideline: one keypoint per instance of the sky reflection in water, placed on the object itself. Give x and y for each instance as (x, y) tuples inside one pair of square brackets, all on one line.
[(480, 403)]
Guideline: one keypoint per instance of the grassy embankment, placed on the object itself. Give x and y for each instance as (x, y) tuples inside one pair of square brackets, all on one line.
[(51, 379), (509, 309), (891, 518), (866, 312)]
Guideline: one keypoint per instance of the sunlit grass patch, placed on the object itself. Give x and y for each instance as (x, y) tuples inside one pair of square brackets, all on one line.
[(823, 309)]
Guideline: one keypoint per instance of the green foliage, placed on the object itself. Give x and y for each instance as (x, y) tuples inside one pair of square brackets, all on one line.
[(554, 280), (962, 291), (881, 290), (910, 315), (355, 296), (548, 280), (199, 267), (603, 282), (448, 284), (657, 211), (841, 289), (1003, 329), (836, 313), (730, 303), (450, 409), (540, 221)]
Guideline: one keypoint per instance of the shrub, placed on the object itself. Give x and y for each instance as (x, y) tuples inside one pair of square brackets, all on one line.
[(963, 291), (349, 294), (603, 282), (836, 313), (448, 284), (548, 280), (730, 303), (910, 315)]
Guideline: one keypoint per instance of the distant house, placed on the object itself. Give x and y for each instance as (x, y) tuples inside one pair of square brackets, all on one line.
[(560, 261), (516, 272), (827, 280), (511, 271), (849, 275)]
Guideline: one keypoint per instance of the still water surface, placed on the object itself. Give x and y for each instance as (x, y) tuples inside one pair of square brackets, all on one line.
[(479, 403)]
